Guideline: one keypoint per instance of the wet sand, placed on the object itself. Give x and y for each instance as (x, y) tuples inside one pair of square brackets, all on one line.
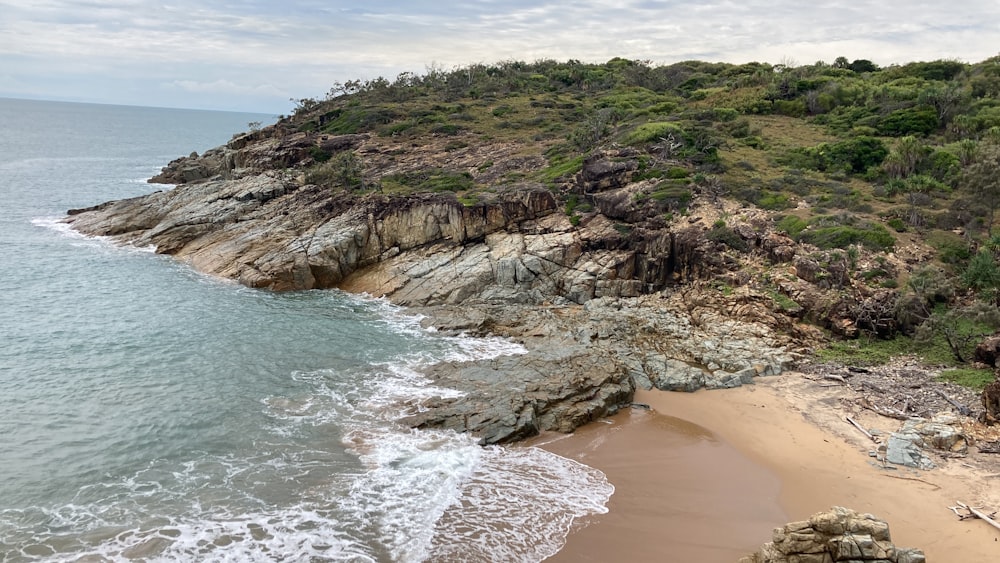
[(681, 493), (710, 484)]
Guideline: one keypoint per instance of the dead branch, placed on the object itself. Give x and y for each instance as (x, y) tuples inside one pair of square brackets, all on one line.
[(883, 411), (988, 447), (962, 409), (861, 428), (981, 515)]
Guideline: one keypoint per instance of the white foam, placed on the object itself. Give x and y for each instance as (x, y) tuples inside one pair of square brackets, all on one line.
[(519, 505), (64, 229)]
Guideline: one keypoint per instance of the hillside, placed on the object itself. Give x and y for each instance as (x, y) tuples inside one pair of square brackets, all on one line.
[(827, 201)]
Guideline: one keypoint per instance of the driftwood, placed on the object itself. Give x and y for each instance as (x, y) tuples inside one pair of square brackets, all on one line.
[(834, 377), (883, 411), (962, 409), (979, 514), (861, 428), (989, 447)]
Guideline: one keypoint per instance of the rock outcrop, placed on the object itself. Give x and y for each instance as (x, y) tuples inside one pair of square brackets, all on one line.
[(905, 447), (834, 536), (583, 363)]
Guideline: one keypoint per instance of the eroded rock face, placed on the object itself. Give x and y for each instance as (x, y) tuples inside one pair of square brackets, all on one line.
[(583, 363), (837, 535), (269, 231)]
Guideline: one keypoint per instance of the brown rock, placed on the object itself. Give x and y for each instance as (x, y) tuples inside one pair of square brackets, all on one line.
[(839, 535), (988, 351)]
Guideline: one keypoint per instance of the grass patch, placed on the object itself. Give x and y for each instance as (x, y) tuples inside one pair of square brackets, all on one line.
[(972, 378), (865, 352), (430, 180), (561, 168)]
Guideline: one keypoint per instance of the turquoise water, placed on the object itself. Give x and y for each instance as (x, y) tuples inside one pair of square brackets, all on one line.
[(148, 412)]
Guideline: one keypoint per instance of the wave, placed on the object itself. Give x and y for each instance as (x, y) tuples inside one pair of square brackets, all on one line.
[(64, 229), (331, 475)]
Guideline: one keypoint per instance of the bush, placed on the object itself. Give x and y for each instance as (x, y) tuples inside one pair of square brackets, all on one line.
[(920, 120), (897, 224), (653, 132), (870, 235), (727, 236), (854, 155), (792, 225), (432, 180)]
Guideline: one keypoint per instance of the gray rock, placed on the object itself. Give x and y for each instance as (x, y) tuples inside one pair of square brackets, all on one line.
[(903, 448)]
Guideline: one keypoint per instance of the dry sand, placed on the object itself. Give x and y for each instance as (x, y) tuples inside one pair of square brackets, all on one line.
[(710, 484)]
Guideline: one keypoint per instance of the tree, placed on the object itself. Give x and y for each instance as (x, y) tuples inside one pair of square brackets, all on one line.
[(982, 179), (983, 276), (961, 328), (862, 65)]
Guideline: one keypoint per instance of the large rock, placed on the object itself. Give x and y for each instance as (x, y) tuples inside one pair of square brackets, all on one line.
[(991, 403), (837, 535), (988, 351), (942, 433), (514, 397)]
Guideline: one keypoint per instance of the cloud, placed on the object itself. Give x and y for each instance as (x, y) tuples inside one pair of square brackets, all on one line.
[(257, 52)]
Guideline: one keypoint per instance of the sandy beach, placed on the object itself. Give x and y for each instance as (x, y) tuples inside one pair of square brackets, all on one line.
[(706, 476)]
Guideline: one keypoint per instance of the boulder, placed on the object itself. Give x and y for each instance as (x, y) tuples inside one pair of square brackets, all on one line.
[(991, 403), (839, 534), (988, 351), (905, 447)]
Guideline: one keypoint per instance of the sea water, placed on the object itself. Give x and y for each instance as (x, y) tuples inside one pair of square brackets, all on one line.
[(148, 412)]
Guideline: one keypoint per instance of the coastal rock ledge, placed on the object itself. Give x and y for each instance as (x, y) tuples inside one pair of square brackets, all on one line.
[(839, 535), (600, 311)]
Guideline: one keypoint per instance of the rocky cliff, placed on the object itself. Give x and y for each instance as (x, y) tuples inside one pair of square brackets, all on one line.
[(620, 296)]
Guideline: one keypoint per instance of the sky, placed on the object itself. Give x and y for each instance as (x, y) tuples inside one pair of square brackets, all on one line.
[(257, 55)]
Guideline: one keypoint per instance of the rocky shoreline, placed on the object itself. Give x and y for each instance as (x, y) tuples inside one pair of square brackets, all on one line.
[(602, 307)]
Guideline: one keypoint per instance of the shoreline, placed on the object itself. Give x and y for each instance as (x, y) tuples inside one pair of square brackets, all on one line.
[(785, 428), (680, 490)]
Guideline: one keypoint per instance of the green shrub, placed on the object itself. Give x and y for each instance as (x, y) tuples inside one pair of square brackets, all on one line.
[(774, 201), (676, 195), (854, 155), (432, 180), (870, 235), (727, 236), (791, 225), (653, 132), (501, 111), (920, 120), (951, 248), (897, 224), (319, 155)]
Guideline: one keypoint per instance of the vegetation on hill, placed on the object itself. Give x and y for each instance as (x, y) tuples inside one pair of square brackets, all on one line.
[(845, 156)]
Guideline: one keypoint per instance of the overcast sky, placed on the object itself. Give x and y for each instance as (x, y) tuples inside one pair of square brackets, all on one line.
[(255, 55)]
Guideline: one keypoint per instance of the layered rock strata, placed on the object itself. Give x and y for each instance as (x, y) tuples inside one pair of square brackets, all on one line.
[(834, 536)]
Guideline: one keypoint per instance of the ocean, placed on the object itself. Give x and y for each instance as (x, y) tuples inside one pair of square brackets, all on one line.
[(149, 412)]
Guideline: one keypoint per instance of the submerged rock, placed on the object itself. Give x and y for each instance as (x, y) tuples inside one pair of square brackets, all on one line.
[(838, 535)]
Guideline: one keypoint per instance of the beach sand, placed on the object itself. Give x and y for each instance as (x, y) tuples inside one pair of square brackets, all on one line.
[(706, 476)]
